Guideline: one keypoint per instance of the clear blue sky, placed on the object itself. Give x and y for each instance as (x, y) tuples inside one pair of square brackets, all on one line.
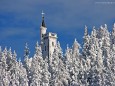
[(20, 20)]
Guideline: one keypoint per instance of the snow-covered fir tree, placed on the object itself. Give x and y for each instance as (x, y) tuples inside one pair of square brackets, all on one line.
[(27, 62)]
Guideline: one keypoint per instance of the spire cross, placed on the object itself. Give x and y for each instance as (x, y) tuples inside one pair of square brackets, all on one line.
[(42, 13)]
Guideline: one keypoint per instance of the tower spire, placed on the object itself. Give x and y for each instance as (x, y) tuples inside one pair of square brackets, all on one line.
[(43, 23)]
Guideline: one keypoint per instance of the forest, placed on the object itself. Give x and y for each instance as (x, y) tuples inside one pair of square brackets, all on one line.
[(90, 64)]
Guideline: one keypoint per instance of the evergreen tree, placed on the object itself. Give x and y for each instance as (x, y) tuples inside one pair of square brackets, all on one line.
[(27, 62), (86, 39), (46, 74), (37, 67), (4, 75)]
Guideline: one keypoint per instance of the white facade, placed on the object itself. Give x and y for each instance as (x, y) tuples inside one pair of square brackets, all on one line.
[(42, 33), (48, 41)]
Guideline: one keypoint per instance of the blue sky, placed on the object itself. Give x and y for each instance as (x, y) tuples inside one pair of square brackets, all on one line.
[(20, 20)]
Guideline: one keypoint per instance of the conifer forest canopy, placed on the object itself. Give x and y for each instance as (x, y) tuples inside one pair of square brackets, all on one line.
[(93, 65)]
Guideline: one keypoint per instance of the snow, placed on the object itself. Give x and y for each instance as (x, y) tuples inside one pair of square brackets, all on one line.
[(94, 66)]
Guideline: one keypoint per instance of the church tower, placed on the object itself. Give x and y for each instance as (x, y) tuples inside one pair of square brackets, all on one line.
[(42, 29), (48, 40)]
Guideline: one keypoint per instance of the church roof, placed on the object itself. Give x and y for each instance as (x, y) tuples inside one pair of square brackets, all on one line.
[(43, 22)]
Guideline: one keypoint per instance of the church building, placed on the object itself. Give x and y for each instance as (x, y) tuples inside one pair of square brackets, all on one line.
[(48, 40)]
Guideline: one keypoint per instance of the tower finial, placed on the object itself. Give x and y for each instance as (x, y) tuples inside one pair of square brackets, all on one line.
[(43, 23), (42, 13)]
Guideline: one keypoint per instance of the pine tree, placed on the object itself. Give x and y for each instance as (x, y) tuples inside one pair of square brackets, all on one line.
[(9, 59), (46, 74), (37, 67), (38, 49), (27, 62), (23, 79), (4, 75), (86, 40), (59, 75), (76, 47)]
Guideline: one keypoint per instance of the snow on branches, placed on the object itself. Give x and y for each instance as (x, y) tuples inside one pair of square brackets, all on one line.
[(93, 65)]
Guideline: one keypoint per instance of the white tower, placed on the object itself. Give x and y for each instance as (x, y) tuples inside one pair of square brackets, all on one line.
[(48, 40)]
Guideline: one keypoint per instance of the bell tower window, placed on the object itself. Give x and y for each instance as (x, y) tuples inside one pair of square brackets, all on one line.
[(45, 48), (52, 43)]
